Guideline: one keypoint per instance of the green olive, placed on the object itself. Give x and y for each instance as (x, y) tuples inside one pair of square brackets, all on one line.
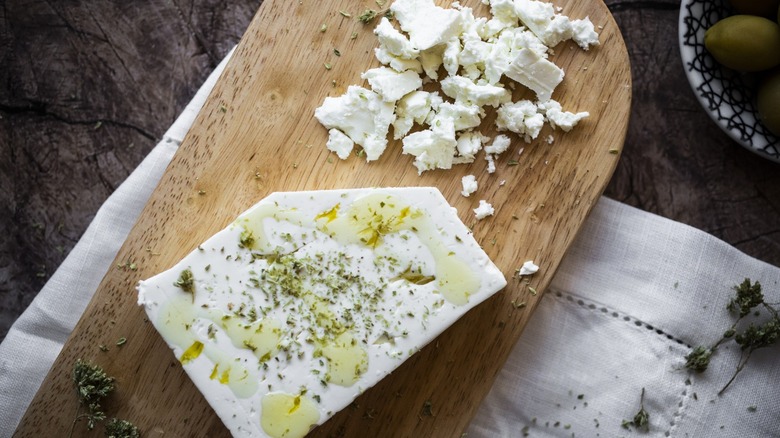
[(769, 103), (744, 42), (763, 8)]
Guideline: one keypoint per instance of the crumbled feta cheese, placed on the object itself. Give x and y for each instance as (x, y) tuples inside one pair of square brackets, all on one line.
[(559, 29), (536, 15), (431, 60), (390, 84), (450, 56), (466, 91), (469, 144), (476, 53), (415, 107), (432, 149), (528, 268), (561, 119), (525, 39), (428, 25), (462, 116), (584, 34), (396, 63), (491, 167), (536, 73), (362, 115), (521, 117), (500, 145), (394, 41), (504, 16), (469, 183), (484, 210), (339, 143)]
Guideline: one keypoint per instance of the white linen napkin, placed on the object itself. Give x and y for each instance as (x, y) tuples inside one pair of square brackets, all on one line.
[(632, 295)]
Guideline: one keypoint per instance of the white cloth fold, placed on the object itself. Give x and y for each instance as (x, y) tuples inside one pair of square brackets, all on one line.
[(632, 295)]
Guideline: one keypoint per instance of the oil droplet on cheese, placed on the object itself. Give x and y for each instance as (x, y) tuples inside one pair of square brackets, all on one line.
[(347, 360), (456, 281), (330, 215), (252, 223), (370, 218), (191, 353), (232, 373), (261, 336), (175, 323), (288, 416)]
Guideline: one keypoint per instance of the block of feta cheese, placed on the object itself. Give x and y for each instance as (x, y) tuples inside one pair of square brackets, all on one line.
[(309, 298)]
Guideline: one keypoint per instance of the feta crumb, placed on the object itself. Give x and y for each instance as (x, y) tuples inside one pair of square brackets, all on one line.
[(466, 91), (536, 15), (462, 116), (394, 41), (415, 107), (522, 118), (469, 183), (396, 63), (428, 25), (528, 268), (500, 145), (468, 145), (432, 148), (561, 119), (491, 167), (550, 139), (450, 56), (339, 143), (536, 73), (584, 34), (431, 60), (390, 84), (484, 210), (362, 115)]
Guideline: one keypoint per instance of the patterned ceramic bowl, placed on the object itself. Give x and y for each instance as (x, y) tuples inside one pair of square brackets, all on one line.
[(727, 96)]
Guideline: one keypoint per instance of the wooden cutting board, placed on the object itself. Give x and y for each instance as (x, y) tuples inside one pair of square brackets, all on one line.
[(256, 134)]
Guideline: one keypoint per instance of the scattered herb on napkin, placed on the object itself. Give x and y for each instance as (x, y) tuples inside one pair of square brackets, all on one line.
[(642, 419), (749, 299)]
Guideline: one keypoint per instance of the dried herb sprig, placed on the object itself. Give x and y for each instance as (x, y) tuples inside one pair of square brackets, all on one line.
[(369, 15), (92, 386), (117, 428), (752, 339), (186, 282), (749, 296), (641, 419)]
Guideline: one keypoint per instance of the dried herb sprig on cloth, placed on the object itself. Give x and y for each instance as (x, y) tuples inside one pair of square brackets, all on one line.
[(748, 299), (641, 419)]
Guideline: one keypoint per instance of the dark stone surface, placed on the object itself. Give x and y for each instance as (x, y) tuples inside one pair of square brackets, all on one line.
[(88, 87)]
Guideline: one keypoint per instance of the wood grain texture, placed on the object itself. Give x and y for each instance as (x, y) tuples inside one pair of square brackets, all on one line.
[(256, 135)]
